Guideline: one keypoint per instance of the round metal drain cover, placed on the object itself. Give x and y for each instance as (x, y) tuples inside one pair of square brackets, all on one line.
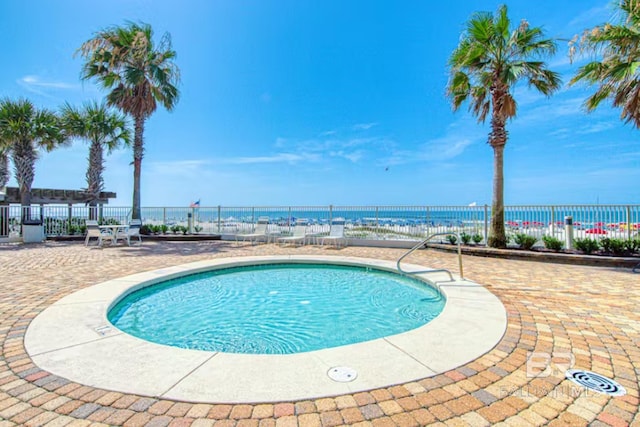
[(342, 374), (596, 382)]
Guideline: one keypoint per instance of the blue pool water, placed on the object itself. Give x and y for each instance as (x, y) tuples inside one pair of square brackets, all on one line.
[(277, 308)]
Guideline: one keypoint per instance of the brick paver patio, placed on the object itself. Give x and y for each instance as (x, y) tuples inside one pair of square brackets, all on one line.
[(589, 312)]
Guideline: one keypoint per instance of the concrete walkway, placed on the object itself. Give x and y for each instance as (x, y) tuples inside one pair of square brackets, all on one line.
[(585, 315)]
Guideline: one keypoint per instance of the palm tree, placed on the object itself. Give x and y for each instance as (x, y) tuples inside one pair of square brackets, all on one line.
[(139, 75), (103, 129), (490, 59), (616, 74), (23, 130)]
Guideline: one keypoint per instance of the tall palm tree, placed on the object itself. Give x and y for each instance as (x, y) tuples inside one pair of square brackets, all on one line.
[(616, 73), (23, 130), (104, 129), (489, 60), (139, 74)]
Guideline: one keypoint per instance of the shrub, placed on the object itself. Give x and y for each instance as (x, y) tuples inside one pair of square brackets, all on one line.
[(524, 241), (587, 245), (465, 238), (477, 238), (552, 243), (109, 221), (197, 228), (146, 229), (175, 229), (164, 228), (452, 238), (612, 245), (632, 245)]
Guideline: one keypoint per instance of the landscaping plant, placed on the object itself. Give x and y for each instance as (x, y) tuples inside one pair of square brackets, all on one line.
[(524, 241), (587, 245), (552, 243)]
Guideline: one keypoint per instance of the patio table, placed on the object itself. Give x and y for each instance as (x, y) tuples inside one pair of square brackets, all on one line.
[(111, 231)]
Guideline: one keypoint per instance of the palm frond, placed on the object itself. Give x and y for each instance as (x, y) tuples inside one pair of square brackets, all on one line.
[(494, 57)]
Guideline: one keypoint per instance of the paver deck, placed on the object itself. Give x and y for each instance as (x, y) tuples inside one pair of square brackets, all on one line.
[(589, 313)]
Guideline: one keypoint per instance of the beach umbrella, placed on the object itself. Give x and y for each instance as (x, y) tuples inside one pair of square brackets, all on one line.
[(596, 231)]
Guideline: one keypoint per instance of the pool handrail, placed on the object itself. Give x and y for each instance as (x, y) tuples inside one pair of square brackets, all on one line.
[(423, 243)]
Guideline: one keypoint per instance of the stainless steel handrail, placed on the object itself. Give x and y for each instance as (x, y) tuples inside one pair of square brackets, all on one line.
[(422, 243)]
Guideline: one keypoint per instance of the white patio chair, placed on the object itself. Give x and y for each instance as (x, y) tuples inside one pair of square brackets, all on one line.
[(93, 230), (336, 234), (259, 232), (299, 234), (132, 231)]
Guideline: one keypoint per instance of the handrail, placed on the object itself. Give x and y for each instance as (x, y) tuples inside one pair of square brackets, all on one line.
[(422, 243)]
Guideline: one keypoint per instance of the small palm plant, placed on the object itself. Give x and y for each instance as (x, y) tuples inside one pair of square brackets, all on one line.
[(104, 129)]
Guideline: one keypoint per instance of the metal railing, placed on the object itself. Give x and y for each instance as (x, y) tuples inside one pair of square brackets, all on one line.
[(441, 270), (412, 223)]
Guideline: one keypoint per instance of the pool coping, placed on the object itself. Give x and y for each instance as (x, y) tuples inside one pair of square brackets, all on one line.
[(73, 339)]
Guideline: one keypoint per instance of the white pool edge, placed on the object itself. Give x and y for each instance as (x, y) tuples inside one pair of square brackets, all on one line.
[(73, 339)]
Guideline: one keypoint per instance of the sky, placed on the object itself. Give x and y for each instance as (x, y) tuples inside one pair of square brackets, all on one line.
[(299, 102)]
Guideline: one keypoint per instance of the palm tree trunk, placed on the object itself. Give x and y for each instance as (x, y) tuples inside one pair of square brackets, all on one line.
[(4, 169), (24, 159), (95, 182), (497, 234), (4, 178), (138, 152)]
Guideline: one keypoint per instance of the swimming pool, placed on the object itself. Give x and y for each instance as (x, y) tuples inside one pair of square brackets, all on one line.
[(73, 339), (277, 308)]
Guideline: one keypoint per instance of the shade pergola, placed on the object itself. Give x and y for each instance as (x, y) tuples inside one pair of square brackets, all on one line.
[(49, 196)]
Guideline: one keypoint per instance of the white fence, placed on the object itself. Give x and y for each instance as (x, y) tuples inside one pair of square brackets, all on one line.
[(369, 222)]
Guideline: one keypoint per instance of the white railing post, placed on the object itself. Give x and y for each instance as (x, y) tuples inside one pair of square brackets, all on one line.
[(70, 218), (219, 212), (568, 231), (628, 222)]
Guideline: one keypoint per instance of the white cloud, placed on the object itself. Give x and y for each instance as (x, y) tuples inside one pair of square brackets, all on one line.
[(590, 17), (364, 126), (435, 150), (596, 127), (36, 81), (47, 88), (353, 156), (178, 167), (551, 110), (276, 158), (352, 149)]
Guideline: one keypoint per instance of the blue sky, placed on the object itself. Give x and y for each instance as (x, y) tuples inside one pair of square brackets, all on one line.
[(323, 102)]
